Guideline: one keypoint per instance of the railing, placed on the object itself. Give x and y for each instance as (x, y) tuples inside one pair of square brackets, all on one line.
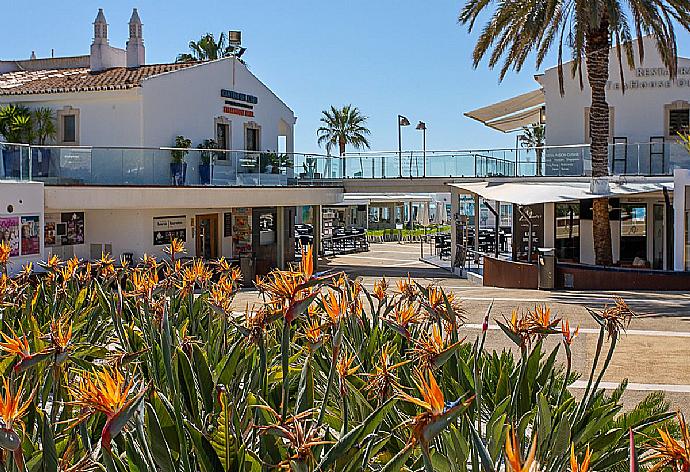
[(648, 159), (86, 165)]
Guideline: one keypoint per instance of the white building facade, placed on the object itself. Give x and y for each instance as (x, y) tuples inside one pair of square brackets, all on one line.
[(110, 180)]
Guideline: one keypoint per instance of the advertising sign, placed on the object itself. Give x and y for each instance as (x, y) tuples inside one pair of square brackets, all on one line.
[(74, 228), (167, 228), (31, 239), (9, 233), (241, 231)]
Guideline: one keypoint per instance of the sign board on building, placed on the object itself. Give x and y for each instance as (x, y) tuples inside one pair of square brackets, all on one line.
[(563, 162), (167, 228), (241, 104)]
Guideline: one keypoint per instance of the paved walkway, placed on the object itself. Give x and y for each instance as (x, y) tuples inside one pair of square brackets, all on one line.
[(652, 355)]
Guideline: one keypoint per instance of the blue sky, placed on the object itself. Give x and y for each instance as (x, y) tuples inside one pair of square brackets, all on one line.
[(384, 56)]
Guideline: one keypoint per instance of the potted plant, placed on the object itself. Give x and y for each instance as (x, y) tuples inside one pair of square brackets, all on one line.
[(206, 157), (178, 167), (275, 161)]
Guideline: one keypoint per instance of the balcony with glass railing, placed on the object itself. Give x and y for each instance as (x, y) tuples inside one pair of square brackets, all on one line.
[(85, 165)]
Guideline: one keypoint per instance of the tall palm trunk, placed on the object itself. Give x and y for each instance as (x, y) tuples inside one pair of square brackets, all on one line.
[(597, 50), (341, 148)]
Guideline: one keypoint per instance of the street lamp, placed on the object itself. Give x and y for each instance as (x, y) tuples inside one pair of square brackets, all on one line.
[(422, 126), (402, 121)]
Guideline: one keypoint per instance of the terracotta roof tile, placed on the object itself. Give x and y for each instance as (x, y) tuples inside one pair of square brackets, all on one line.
[(80, 79)]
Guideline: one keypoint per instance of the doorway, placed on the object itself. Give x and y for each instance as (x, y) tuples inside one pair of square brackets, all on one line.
[(658, 238), (207, 236)]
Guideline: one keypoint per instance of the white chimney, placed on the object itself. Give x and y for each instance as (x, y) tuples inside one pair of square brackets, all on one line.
[(136, 54), (103, 56)]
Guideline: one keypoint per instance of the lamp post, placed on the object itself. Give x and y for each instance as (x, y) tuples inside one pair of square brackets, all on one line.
[(422, 126), (402, 121)]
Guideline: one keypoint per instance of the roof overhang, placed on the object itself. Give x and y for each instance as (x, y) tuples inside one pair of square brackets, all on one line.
[(367, 199), (530, 193), (513, 113)]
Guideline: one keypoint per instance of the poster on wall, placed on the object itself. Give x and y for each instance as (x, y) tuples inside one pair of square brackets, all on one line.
[(9, 233), (30, 234), (242, 231), (74, 228), (50, 228), (167, 228)]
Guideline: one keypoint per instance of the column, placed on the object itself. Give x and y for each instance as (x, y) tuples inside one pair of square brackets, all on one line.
[(477, 214), (317, 235), (281, 237)]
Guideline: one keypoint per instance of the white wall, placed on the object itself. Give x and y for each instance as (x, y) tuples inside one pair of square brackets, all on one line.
[(187, 101), (24, 198), (105, 118), (105, 227), (638, 114), (183, 102)]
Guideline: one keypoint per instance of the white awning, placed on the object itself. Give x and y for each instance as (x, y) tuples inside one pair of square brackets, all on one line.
[(513, 113), (529, 193)]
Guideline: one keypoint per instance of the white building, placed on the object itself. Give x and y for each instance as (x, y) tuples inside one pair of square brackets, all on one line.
[(109, 180), (647, 110)]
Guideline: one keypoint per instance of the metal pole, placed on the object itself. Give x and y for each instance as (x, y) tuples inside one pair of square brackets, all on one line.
[(424, 147), (399, 148)]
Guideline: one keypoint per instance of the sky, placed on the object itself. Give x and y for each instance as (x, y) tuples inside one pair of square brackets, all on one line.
[(387, 57)]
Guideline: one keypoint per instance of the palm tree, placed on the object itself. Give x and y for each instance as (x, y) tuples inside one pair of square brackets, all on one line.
[(534, 136), (588, 28), (208, 49), (341, 127)]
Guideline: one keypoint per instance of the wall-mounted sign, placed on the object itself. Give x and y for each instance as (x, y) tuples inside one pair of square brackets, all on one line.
[(242, 97), (167, 228), (238, 111), (227, 225), (63, 229)]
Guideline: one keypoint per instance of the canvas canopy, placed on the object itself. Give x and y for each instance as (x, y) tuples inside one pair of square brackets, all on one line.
[(529, 193), (513, 113)]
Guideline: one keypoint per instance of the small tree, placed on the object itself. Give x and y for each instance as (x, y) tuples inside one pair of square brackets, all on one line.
[(534, 136), (43, 124), (183, 144)]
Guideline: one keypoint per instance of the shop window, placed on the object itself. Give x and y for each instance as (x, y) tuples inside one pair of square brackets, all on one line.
[(678, 121), (633, 233), (223, 138), (568, 231)]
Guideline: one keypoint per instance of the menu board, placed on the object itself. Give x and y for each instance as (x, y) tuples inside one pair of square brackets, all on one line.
[(227, 224), (167, 228), (241, 231), (521, 227), (9, 233)]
